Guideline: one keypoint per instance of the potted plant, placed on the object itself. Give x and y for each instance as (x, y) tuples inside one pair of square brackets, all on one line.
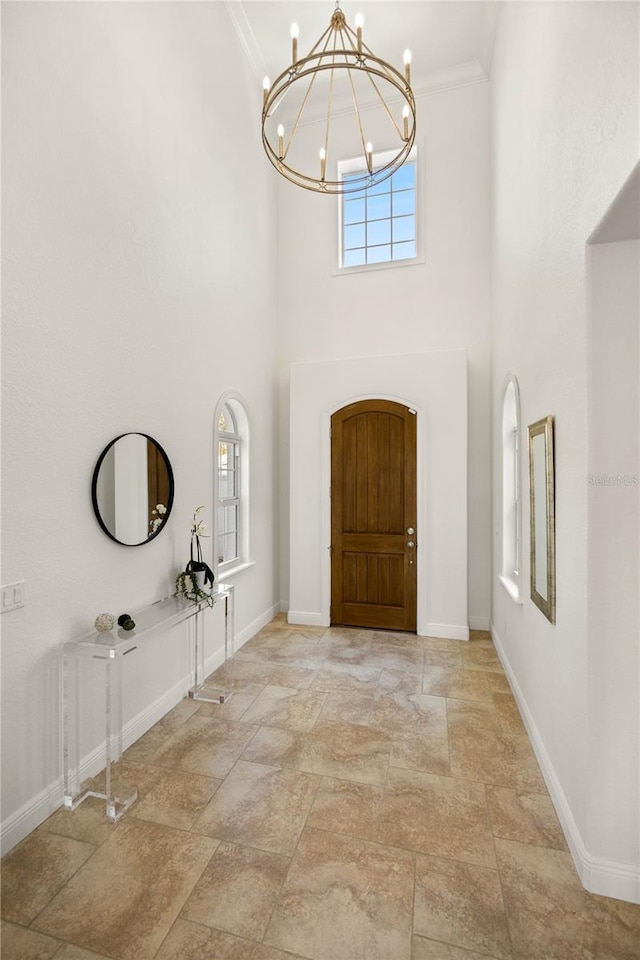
[(195, 582)]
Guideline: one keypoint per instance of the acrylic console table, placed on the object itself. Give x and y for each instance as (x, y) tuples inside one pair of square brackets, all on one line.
[(112, 648)]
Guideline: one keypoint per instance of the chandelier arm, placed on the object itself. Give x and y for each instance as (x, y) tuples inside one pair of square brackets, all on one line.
[(345, 52), (357, 111), (294, 129), (383, 102), (330, 98), (326, 34)]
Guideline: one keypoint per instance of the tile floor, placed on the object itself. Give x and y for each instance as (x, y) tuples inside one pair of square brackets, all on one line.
[(362, 796)]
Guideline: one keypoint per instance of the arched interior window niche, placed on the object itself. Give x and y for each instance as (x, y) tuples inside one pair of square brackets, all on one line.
[(231, 485), (510, 574)]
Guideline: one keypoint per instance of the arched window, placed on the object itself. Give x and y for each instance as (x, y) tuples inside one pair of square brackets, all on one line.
[(511, 487), (231, 484)]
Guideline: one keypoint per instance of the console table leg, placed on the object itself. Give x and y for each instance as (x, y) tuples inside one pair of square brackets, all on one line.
[(71, 756), (118, 797)]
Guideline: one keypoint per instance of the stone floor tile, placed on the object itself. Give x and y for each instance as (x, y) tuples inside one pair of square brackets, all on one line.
[(428, 753), (276, 747), (436, 950), (460, 904), (124, 900), (290, 653), (407, 682), (192, 941), (551, 915), (455, 683), (525, 817), (347, 707), (437, 815), (473, 713), (507, 710), (409, 715), (70, 952), (205, 746), (233, 708), (443, 658), (286, 707), (177, 800), (346, 751), (347, 678), (342, 806), (35, 870), (498, 683), (146, 745), (270, 673), (262, 952), (20, 943), (144, 776), (260, 806), (238, 890), (501, 758), (483, 658), (87, 822), (345, 899)]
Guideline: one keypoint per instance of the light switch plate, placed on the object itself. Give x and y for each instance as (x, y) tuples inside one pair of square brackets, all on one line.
[(13, 596)]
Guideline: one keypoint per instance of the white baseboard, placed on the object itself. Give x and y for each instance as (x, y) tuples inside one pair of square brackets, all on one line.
[(256, 625), (446, 631), (305, 619), (19, 824), (479, 623), (605, 877)]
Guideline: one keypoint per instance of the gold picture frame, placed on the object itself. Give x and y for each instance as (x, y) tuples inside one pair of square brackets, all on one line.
[(542, 517)]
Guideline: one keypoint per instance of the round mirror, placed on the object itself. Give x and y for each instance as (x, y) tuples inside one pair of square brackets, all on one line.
[(132, 489)]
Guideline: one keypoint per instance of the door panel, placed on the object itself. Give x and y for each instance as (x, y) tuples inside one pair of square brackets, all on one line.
[(373, 504)]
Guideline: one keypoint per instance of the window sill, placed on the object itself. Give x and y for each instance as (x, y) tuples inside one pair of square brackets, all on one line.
[(337, 271), (512, 588), (237, 568)]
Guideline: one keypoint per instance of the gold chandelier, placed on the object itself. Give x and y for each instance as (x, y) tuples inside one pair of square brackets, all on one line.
[(343, 78)]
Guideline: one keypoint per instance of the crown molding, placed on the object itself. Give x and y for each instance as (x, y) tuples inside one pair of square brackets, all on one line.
[(458, 75), (251, 47)]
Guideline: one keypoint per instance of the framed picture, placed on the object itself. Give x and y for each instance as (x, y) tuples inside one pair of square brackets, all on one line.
[(542, 517)]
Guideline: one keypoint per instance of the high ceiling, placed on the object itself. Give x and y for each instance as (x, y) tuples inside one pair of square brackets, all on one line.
[(450, 42)]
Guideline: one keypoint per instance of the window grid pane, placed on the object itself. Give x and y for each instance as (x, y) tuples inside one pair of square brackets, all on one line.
[(379, 224), (228, 498)]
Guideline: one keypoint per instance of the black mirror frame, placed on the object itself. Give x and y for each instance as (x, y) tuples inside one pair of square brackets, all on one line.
[(94, 488)]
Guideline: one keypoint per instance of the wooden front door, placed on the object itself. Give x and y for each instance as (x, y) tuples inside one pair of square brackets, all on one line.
[(373, 515)]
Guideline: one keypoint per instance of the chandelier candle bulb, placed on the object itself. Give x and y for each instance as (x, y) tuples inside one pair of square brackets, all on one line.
[(295, 33), (323, 163), (407, 66), (359, 21), (370, 157), (280, 141), (405, 122), (266, 84)]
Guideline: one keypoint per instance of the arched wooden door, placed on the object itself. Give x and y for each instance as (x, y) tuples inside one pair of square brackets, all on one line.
[(373, 515)]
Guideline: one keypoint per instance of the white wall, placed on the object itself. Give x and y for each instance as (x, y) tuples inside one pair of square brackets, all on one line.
[(564, 139), (439, 304), (131, 230), (431, 384)]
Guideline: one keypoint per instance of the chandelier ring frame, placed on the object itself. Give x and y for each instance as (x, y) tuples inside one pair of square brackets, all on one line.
[(352, 61)]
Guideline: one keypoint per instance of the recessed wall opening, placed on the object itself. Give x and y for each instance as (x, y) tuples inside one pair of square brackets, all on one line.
[(613, 499)]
